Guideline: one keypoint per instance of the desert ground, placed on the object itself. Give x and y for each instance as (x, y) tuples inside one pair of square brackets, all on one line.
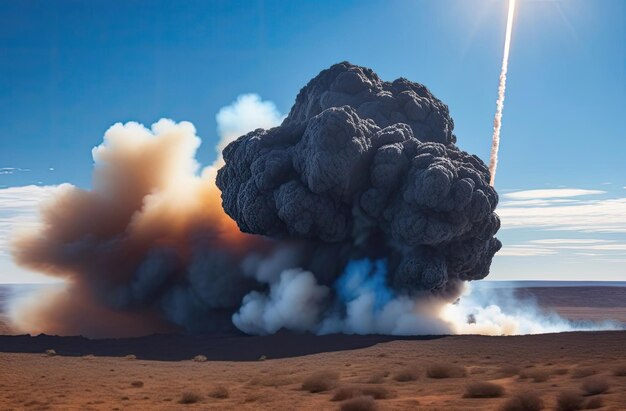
[(566, 371)]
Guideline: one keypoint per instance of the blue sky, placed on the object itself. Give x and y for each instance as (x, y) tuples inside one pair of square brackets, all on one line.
[(70, 69)]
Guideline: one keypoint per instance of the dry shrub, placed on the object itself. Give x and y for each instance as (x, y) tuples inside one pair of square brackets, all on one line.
[(410, 373), (560, 371), (200, 358), (524, 401), (620, 370), (219, 392), (508, 371), (481, 389), (189, 397), (595, 386), (346, 393), (569, 401), (582, 372), (535, 375), (378, 377), (445, 371), (50, 352), (320, 381), (594, 403), (131, 357), (137, 384), (359, 404)]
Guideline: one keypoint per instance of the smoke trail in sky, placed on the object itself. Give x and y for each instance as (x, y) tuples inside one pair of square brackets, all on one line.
[(497, 121)]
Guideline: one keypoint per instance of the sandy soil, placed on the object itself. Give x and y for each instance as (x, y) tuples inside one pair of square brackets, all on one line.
[(37, 381), (547, 365)]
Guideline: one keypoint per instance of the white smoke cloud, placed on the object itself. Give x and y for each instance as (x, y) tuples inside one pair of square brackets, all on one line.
[(294, 302), (498, 311), (247, 113)]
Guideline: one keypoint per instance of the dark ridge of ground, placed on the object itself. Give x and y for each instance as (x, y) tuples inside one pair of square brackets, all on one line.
[(174, 347)]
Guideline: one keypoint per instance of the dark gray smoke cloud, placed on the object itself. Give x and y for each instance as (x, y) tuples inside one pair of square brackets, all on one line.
[(371, 167), (357, 214)]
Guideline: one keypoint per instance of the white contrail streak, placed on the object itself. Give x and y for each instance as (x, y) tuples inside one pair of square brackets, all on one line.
[(497, 121)]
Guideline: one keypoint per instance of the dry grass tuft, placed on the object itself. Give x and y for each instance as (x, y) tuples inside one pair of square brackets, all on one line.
[(410, 373), (219, 392), (359, 404), (481, 389), (524, 401), (346, 393), (50, 352), (320, 381), (131, 357), (620, 370), (378, 377), (137, 384), (200, 358), (569, 401), (189, 397), (595, 386), (583, 372), (507, 371), (535, 375), (594, 403), (445, 371)]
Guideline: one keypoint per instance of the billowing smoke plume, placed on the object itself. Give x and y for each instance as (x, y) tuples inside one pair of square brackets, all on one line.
[(368, 167), (357, 214), (147, 249)]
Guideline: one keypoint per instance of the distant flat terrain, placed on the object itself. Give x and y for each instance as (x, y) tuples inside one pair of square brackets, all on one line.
[(581, 303)]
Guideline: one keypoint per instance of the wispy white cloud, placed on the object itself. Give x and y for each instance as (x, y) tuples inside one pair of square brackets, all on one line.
[(550, 193), (589, 216), (562, 241), (12, 170), (18, 210), (524, 251)]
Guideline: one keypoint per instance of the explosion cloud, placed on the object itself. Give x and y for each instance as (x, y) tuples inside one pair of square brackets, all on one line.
[(357, 214)]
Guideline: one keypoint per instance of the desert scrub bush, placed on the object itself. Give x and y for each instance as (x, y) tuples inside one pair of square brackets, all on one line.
[(346, 393), (620, 370), (595, 386), (583, 372), (482, 389), (137, 384), (378, 377), (535, 375), (410, 373), (524, 401), (50, 352), (200, 358), (506, 371), (320, 381), (359, 404), (445, 371), (594, 403), (131, 357), (219, 392), (189, 397), (569, 401)]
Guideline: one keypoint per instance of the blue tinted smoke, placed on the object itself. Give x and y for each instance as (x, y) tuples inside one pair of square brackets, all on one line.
[(364, 276)]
